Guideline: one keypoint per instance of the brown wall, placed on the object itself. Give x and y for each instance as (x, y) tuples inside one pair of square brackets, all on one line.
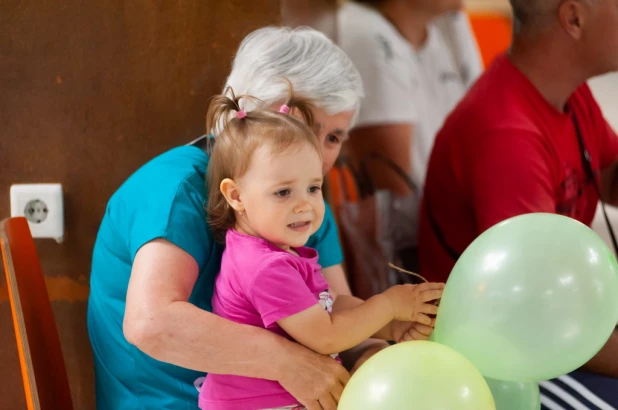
[(89, 91)]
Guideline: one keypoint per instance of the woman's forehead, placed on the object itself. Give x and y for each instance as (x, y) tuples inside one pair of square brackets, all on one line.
[(337, 124)]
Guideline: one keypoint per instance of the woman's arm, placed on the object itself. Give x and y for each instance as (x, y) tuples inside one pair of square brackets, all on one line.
[(160, 322), (337, 281)]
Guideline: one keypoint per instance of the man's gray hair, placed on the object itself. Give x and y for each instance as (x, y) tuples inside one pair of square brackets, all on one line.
[(317, 68), (535, 13)]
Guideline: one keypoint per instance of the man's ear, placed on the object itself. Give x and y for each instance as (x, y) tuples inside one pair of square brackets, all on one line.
[(572, 16), (231, 192)]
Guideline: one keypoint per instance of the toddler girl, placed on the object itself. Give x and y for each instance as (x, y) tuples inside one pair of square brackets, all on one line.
[(265, 201)]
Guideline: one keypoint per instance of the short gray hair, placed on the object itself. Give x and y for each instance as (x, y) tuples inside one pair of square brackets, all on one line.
[(317, 68), (534, 13)]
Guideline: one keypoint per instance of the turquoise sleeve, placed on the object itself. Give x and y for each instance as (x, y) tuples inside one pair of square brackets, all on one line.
[(326, 241), (178, 217)]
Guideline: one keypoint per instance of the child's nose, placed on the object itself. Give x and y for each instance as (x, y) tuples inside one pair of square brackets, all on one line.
[(302, 206)]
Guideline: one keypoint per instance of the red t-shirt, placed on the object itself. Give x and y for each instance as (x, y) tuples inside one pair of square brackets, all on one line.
[(505, 151)]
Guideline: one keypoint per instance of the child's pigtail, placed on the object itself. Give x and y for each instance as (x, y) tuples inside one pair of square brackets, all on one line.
[(224, 114), (222, 110), (299, 104), (304, 107)]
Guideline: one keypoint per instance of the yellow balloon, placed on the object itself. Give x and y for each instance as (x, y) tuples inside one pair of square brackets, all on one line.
[(418, 375)]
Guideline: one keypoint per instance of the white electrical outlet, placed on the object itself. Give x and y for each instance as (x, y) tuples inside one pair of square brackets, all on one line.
[(43, 207)]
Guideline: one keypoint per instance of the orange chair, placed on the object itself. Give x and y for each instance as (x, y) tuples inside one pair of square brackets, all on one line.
[(42, 366)]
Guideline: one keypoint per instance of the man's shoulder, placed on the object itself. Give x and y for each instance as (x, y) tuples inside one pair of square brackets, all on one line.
[(495, 101)]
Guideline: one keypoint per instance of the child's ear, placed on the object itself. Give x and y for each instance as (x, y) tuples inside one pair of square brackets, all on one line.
[(230, 191)]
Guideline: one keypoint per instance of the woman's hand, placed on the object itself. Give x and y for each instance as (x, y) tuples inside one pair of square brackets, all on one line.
[(316, 381)]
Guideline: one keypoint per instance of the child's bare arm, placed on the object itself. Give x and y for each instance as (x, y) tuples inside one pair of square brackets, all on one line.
[(343, 302), (331, 333)]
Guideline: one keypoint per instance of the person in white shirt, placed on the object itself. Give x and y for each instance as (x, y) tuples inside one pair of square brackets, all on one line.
[(417, 58)]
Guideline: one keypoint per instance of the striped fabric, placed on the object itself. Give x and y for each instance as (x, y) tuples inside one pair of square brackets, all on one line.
[(580, 391)]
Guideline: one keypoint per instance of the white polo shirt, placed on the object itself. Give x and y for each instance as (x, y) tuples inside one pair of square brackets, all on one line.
[(405, 85)]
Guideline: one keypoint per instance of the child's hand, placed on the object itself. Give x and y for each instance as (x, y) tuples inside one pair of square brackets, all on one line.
[(406, 331), (410, 303)]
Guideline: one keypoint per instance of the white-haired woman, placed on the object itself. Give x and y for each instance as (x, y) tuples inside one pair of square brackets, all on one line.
[(155, 260)]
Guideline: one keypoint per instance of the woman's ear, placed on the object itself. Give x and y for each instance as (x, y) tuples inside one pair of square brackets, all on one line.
[(230, 191)]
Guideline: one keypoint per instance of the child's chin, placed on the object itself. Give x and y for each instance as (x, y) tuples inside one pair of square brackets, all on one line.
[(299, 243)]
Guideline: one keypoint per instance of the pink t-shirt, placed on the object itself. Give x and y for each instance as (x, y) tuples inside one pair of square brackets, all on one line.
[(258, 285)]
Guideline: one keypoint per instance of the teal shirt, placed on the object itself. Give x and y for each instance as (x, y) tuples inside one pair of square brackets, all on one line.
[(163, 199)]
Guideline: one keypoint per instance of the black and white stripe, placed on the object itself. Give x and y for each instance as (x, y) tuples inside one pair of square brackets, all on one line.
[(567, 393)]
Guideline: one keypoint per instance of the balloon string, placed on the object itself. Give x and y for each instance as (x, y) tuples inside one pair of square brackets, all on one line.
[(397, 268), (393, 266)]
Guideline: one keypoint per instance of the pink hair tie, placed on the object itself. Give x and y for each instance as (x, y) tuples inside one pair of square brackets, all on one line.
[(284, 109), (241, 114)]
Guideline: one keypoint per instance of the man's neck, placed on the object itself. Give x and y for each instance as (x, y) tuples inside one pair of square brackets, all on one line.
[(411, 24), (549, 68)]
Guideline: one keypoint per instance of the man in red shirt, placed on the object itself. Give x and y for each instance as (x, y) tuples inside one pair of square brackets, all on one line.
[(511, 146)]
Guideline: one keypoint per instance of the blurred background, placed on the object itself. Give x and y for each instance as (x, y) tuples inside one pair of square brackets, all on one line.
[(91, 90)]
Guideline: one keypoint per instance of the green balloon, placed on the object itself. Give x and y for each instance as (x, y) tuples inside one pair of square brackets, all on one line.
[(417, 375), (532, 298), (515, 395)]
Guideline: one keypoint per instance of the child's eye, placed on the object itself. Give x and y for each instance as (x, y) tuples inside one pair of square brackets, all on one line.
[(283, 193), (315, 188)]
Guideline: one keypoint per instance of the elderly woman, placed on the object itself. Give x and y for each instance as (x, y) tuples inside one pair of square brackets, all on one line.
[(155, 260)]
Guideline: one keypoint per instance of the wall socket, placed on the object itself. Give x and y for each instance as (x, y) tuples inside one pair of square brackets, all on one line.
[(43, 207)]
